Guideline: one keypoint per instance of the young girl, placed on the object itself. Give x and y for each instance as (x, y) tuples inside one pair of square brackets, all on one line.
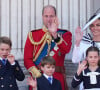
[(89, 71)]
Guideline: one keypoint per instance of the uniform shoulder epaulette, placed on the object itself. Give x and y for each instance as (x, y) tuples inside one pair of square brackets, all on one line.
[(62, 31), (36, 30), (33, 33)]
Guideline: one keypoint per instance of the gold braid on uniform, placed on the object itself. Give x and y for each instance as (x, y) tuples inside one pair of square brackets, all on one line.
[(45, 39), (36, 43)]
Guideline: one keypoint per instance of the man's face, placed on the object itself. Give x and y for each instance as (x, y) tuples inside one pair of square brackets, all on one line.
[(4, 50), (48, 16)]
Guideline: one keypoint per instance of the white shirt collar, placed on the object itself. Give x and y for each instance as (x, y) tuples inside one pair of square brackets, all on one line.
[(1, 58), (47, 76)]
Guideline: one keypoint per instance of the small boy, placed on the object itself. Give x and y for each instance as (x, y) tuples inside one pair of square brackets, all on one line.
[(9, 68), (46, 81)]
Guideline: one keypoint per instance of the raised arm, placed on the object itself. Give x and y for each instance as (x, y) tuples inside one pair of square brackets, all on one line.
[(77, 54), (32, 82), (78, 76)]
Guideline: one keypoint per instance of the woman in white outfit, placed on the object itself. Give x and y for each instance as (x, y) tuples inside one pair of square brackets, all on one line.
[(84, 42)]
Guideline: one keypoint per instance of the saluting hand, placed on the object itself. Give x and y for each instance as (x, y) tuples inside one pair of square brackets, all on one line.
[(52, 27)]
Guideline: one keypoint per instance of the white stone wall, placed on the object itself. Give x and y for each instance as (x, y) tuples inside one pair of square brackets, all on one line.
[(18, 17)]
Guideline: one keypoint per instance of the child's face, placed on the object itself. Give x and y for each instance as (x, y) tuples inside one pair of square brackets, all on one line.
[(48, 69), (93, 58), (4, 50)]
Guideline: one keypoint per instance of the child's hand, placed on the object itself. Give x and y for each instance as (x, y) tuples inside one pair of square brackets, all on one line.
[(81, 67), (11, 58), (32, 82)]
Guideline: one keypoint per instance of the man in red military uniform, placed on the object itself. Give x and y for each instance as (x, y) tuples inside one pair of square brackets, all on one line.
[(48, 41)]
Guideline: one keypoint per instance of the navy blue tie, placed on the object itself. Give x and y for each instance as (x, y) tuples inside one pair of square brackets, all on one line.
[(3, 61), (50, 79)]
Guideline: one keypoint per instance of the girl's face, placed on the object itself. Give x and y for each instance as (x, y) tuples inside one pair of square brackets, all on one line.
[(95, 28), (93, 58)]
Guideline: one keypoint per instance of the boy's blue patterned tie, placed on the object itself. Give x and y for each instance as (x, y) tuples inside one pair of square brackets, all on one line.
[(4, 61)]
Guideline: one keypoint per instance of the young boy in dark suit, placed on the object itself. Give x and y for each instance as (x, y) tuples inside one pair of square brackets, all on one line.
[(9, 68), (46, 81)]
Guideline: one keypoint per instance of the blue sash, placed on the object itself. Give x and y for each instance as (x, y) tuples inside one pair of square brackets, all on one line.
[(45, 49), (44, 53)]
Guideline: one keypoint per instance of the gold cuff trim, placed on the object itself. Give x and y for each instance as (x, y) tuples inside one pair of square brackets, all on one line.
[(35, 72)]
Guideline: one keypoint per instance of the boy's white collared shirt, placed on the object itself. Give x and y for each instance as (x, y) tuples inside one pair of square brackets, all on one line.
[(46, 76), (2, 58), (6, 60)]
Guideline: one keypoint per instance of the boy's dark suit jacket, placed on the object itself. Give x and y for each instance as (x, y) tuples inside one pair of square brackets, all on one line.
[(9, 74), (43, 84)]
